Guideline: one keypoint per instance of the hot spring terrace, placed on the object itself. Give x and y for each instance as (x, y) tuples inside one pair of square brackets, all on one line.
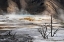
[(28, 21)]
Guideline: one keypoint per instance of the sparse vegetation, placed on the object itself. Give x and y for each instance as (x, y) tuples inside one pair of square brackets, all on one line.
[(43, 31)]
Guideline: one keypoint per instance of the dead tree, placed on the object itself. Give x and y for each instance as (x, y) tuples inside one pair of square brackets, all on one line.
[(43, 31)]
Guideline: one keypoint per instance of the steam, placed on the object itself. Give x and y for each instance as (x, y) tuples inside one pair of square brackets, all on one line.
[(52, 7), (23, 4), (61, 14), (12, 7)]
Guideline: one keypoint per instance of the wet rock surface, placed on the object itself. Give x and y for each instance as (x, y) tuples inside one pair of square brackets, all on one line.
[(7, 36)]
